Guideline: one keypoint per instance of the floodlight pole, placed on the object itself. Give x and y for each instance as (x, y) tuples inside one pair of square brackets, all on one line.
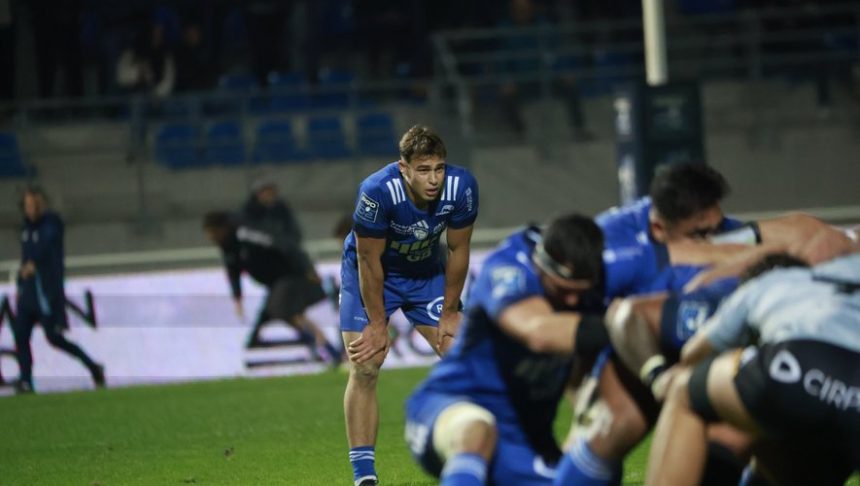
[(654, 27)]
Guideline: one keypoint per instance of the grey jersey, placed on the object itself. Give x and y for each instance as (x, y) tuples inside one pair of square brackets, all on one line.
[(791, 304)]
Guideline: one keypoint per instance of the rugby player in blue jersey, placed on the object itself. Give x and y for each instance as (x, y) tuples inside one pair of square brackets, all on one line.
[(485, 413), (392, 260)]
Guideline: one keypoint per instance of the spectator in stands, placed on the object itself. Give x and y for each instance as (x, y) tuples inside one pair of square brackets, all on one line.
[(193, 62), (527, 52), (266, 22), (56, 34), (41, 297), (148, 66), (281, 266)]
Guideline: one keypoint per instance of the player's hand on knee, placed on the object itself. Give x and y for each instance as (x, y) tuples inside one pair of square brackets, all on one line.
[(373, 340)]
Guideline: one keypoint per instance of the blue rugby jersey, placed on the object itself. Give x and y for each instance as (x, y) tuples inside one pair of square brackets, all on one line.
[(383, 210), (520, 387), (634, 262)]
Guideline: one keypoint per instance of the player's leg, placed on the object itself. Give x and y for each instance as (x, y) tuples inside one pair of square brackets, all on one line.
[(449, 437), (53, 323), (634, 326), (464, 437), (620, 424), (423, 307), (306, 325), (22, 328), (696, 397), (360, 404)]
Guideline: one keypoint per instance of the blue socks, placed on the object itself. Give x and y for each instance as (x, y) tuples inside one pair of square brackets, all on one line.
[(363, 461), (464, 470), (582, 467)]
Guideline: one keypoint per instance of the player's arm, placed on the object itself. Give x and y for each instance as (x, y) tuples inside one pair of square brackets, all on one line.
[(533, 322), (459, 243), (374, 338), (234, 276), (699, 253)]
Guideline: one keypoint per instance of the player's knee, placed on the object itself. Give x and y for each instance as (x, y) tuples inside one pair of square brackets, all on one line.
[(54, 338), (464, 427), (365, 373)]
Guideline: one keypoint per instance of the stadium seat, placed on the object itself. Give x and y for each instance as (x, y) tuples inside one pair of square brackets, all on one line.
[(224, 143), (326, 139), (334, 86), (289, 92), (11, 164), (176, 146), (277, 143), (375, 135)]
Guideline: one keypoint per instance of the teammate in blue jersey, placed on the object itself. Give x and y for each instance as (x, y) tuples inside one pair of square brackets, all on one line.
[(392, 260), (485, 413)]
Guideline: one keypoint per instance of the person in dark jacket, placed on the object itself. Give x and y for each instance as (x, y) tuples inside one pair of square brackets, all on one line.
[(41, 297), (278, 263), (267, 209)]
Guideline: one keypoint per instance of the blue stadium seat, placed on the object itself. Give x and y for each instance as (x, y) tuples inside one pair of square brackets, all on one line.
[(289, 92), (277, 143), (326, 139), (375, 135), (335, 86), (224, 143), (176, 146), (11, 164)]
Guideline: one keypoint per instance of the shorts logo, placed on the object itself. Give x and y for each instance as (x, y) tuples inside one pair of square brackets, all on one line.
[(785, 368), (434, 309), (541, 469), (367, 208)]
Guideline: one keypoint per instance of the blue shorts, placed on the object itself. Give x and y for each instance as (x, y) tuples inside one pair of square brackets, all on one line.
[(514, 461), (684, 314), (419, 299)]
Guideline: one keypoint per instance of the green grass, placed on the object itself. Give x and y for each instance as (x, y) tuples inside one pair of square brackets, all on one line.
[(260, 431)]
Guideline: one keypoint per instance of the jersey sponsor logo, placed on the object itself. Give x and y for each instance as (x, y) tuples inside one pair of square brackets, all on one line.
[(417, 250), (785, 368), (470, 201), (445, 209), (507, 281), (439, 227), (832, 391), (395, 189), (367, 208), (434, 309)]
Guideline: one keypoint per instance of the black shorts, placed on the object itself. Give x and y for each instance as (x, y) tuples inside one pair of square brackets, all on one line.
[(805, 390), (290, 296)]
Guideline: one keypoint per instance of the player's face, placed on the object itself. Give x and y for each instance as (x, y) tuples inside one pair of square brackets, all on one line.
[(267, 196), (697, 227), (33, 206), (216, 235), (424, 177), (563, 293)]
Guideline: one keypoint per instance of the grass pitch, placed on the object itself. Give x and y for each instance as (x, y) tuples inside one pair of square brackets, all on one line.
[(246, 431)]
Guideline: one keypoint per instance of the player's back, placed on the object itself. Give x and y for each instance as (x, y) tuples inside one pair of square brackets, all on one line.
[(520, 387)]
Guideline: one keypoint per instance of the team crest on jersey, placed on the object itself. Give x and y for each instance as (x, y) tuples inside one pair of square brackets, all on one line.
[(507, 280), (421, 230), (367, 208)]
